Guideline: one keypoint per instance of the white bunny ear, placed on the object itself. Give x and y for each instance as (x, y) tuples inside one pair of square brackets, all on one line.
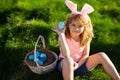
[(86, 9), (72, 6)]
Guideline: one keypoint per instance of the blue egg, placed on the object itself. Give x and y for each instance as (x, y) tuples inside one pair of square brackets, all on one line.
[(37, 59), (61, 25), (40, 62), (43, 57), (37, 54), (31, 57)]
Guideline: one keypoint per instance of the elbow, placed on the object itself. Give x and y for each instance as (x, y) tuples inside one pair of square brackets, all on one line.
[(86, 56), (66, 54)]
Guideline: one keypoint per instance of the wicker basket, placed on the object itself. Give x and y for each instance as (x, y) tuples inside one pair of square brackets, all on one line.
[(48, 66)]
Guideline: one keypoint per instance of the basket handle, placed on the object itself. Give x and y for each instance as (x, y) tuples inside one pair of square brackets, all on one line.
[(43, 42)]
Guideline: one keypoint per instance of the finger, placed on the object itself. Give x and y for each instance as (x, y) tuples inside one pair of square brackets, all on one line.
[(55, 28), (75, 66)]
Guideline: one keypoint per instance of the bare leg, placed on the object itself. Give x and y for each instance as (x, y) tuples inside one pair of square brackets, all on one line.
[(102, 58), (67, 69)]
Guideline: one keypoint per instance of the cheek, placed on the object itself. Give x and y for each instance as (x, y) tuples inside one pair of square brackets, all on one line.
[(70, 30), (81, 30)]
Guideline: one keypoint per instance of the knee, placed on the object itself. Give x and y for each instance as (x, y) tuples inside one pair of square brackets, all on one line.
[(102, 54), (67, 62)]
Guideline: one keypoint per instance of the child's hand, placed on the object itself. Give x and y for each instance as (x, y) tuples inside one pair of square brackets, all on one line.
[(60, 28), (75, 65), (57, 30)]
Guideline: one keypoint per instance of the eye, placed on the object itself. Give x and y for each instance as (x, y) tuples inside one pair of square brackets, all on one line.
[(73, 24), (80, 26)]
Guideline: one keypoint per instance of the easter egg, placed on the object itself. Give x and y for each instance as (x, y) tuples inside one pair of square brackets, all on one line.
[(43, 57), (31, 57), (40, 62), (61, 25), (36, 60), (37, 54)]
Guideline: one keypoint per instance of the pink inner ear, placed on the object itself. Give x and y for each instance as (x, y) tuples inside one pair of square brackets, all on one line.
[(87, 9), (71, 6)]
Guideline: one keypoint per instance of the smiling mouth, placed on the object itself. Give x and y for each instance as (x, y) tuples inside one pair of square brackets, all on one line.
[(76, 31)]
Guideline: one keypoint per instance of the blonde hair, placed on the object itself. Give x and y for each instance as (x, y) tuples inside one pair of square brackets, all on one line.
[(85, 21)]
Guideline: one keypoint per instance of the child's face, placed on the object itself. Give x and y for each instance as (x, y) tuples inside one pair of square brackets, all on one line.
[(76, 28)]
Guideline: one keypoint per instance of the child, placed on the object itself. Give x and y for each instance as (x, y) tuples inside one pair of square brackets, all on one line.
[(74, 42)]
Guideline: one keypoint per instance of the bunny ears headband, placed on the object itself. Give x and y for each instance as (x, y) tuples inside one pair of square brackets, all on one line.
[(73, 7)]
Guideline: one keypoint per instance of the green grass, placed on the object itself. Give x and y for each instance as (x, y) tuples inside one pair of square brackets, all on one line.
[(22, 21), (97, 74)]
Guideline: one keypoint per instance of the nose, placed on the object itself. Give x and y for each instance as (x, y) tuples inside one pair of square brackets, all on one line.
[(77, 28)]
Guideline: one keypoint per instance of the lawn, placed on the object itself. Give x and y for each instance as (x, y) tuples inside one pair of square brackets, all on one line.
[(22, 21)]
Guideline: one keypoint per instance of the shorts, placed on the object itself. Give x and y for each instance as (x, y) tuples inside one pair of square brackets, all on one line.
[(81, 70)]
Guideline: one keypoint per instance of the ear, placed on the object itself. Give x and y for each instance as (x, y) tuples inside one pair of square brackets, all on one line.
[(72, 6), (86, 9)]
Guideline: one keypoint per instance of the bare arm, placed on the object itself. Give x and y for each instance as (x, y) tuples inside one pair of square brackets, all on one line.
[(62, 42), (85, 54)]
